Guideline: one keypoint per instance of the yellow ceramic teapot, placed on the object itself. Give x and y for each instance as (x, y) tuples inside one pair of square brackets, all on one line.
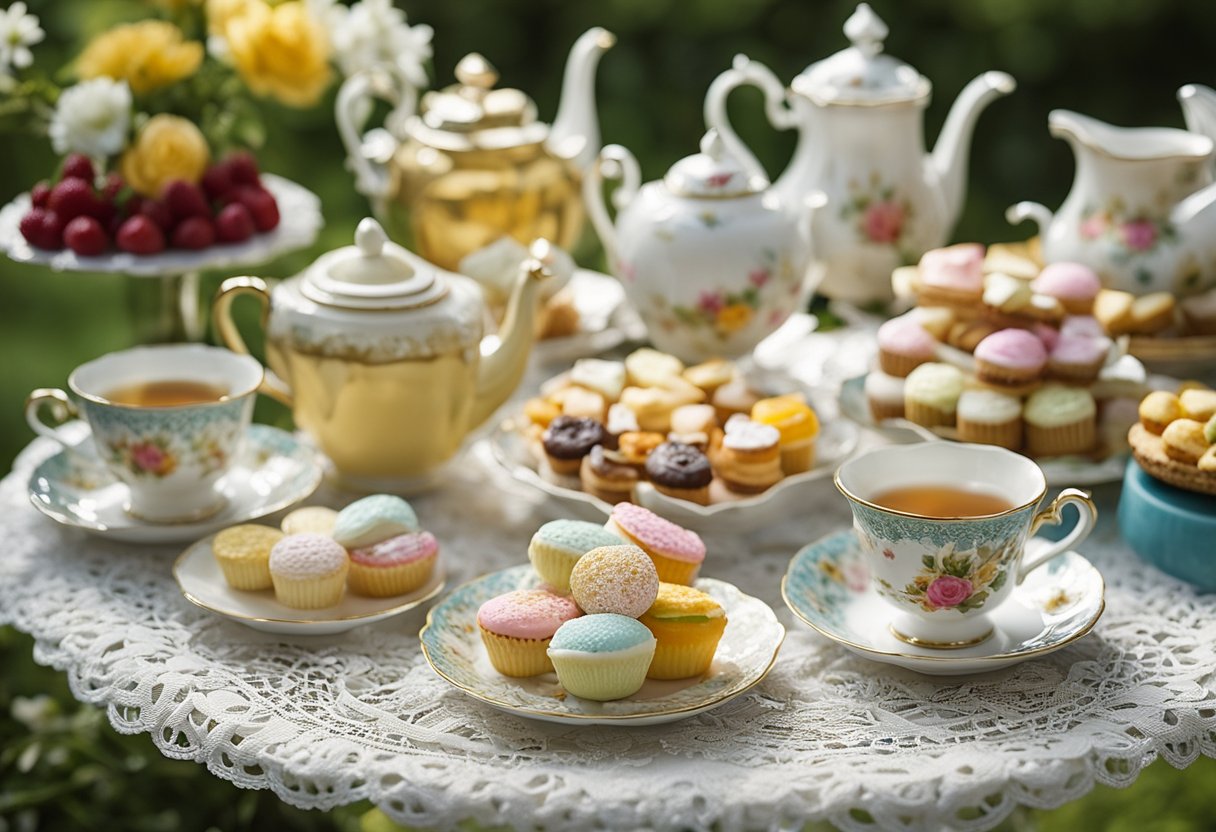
[(380, 356), (471, 163)]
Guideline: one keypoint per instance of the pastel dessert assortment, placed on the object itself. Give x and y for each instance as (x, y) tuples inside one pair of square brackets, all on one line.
[(373, 547), (616, 607), (604, 426), (1175, 438)]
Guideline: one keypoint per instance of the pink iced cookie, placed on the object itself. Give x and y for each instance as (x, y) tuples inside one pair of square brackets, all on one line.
[(954, 267), (526, 613), (1082, 325), (655, 534), (404, 548), (1014, 349), (1068, 281), (1080, 349), (905, 336)]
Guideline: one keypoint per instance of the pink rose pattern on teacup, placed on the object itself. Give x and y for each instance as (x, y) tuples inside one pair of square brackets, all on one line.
[(957, 580), (159, 455), (878, 214)]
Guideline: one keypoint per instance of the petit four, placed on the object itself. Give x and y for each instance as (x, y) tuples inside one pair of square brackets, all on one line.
[(517, 627), (602, 656), (309, 571)]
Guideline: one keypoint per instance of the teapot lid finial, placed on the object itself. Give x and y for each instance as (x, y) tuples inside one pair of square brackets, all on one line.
[(370, 237), (715, 172), (865, 30)]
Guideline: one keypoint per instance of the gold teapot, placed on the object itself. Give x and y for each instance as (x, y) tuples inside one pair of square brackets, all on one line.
[(380, 356), (456, 171)]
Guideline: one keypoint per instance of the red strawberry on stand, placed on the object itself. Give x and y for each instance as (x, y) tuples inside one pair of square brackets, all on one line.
[(185, 200), (217, 181), (243, 168), (194, 233), (85, 236), (234, 224), (42, 228), (140, 235), (262, 206), (157, 211), (73, 198), (78, 166), (40, 194)]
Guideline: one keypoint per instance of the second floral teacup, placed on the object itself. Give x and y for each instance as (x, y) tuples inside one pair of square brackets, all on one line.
[(945, 527), (168, 421)]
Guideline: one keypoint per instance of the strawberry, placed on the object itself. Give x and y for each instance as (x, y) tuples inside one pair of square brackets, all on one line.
[(78, 166), (40, 193), (243, 168), (234, 224), (185, 200), (194, 233), (112, 190), (157, 211), (217, 181), (262, 207), (42, 228), (85, 236), (140, 235), (72, 198)]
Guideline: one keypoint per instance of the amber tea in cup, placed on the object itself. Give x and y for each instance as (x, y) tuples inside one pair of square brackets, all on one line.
[(941, 501), (168, 393)]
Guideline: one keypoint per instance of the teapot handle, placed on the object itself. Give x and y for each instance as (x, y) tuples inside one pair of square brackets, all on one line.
[(745, 71), (351, 111), (221, 313), (613, 162)]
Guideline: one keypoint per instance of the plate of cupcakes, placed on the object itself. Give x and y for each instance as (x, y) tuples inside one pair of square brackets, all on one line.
[(708, 446), (322, 572), (609, 624)]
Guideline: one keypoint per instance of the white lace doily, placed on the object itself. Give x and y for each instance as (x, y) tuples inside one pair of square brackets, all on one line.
[(828, 735)]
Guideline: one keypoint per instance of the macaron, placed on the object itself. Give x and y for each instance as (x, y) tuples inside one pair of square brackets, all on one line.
[(556, 547), (602, 657), (308, 571), (243, 553), (373, 519), (619, 579), (677, 552)]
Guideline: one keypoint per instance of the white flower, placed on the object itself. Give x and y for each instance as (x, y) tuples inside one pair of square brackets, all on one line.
[(374, 33), (92, 118), (18, 32)]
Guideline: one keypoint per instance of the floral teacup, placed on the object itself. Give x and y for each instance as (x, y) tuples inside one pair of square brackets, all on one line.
[(943, 576), (172, 457)]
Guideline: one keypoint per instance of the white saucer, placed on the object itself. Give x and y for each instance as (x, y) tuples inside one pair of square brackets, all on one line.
[(203, 584), (452, 645), (75, 489), (828, 587)]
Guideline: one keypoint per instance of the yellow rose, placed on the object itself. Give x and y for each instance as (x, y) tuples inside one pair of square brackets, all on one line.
[(280, 51), (166, 148), (147, 55), (733, 318), (219, 12)]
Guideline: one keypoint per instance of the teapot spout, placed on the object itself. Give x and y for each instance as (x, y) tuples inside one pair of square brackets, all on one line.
[(952, 151), (502, 365), (1199, 108), (575, 133)]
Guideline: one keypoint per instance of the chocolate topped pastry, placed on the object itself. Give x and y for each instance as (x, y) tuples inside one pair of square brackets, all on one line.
[(680, 470), (604, 476), (568, 439)]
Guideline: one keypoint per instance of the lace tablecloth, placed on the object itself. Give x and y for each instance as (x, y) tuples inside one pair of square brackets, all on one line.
[(328, 721)]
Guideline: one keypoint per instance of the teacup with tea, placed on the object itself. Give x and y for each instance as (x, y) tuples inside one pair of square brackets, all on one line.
[(946, 530), (167, 420)]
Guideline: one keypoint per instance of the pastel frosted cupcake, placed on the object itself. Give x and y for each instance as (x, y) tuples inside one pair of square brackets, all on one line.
[(243, 553), (395, 566), (990, 418), (1010, 356), (931, 395), (1074, 285), (516, 629), (884, 395), (687, 625), (952, 275), (309, 571), (677, 552), (316, 519), (798, 426), (1060, 420), (557, 546), (681, 471), (1078, 357), (619, 579), (602, 657), (903, 345), (372, 519)]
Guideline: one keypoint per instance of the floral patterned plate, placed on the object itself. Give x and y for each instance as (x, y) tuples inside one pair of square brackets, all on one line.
[(75, 489), (452, 645), (828, 586)]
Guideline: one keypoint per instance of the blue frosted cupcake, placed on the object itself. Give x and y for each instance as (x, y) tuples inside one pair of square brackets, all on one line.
[(602, 657), (558, 545)]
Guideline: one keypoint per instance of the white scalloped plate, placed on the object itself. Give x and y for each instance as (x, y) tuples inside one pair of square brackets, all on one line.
[(451, 643)]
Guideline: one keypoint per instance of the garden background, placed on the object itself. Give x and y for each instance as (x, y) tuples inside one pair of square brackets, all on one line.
[(61, 766)]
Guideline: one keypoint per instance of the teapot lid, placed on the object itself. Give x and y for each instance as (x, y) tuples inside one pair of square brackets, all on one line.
[(371, 274), (713, 173), (862, 74), (473, 114)]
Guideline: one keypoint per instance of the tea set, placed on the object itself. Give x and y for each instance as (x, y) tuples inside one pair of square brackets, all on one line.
[(381, 349)]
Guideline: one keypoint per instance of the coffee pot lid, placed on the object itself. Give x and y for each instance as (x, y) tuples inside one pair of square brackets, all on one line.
[(374, 273), (713, 173), (862, 73), (473, 113)]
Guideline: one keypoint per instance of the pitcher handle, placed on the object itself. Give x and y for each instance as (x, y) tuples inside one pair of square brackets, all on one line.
[(1053, 514), (62, 409), (351, 109), (745, 71), (221, 313), (613, 162)]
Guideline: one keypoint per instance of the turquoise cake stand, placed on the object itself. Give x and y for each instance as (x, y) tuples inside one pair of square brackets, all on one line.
[(1173, 529)]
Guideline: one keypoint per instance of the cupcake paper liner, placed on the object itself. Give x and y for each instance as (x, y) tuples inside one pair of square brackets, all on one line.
[(518, 657), (603, 676), (683, 658), (311, 593), (553, 566), (927, 415), (1005, 434), (246, 573), (1076, 438), (384, 581), (894, 364)]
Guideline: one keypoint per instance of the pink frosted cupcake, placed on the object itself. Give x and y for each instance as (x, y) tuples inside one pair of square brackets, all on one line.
[(1078, 357), (903, 345), (1074, 285), (395, 566), (516, 629), (308, 571), (1010, 356), (677, 552), (952, 275)]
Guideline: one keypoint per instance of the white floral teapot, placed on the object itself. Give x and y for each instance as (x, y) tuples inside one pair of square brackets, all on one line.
[(1142, 209), (859, 114), (709, 256)]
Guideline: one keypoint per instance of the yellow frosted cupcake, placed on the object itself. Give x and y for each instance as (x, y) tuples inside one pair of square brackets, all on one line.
[(798, 425), (309, 571), (243, 553), (687, 624), (316, 519), (516, 629)]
